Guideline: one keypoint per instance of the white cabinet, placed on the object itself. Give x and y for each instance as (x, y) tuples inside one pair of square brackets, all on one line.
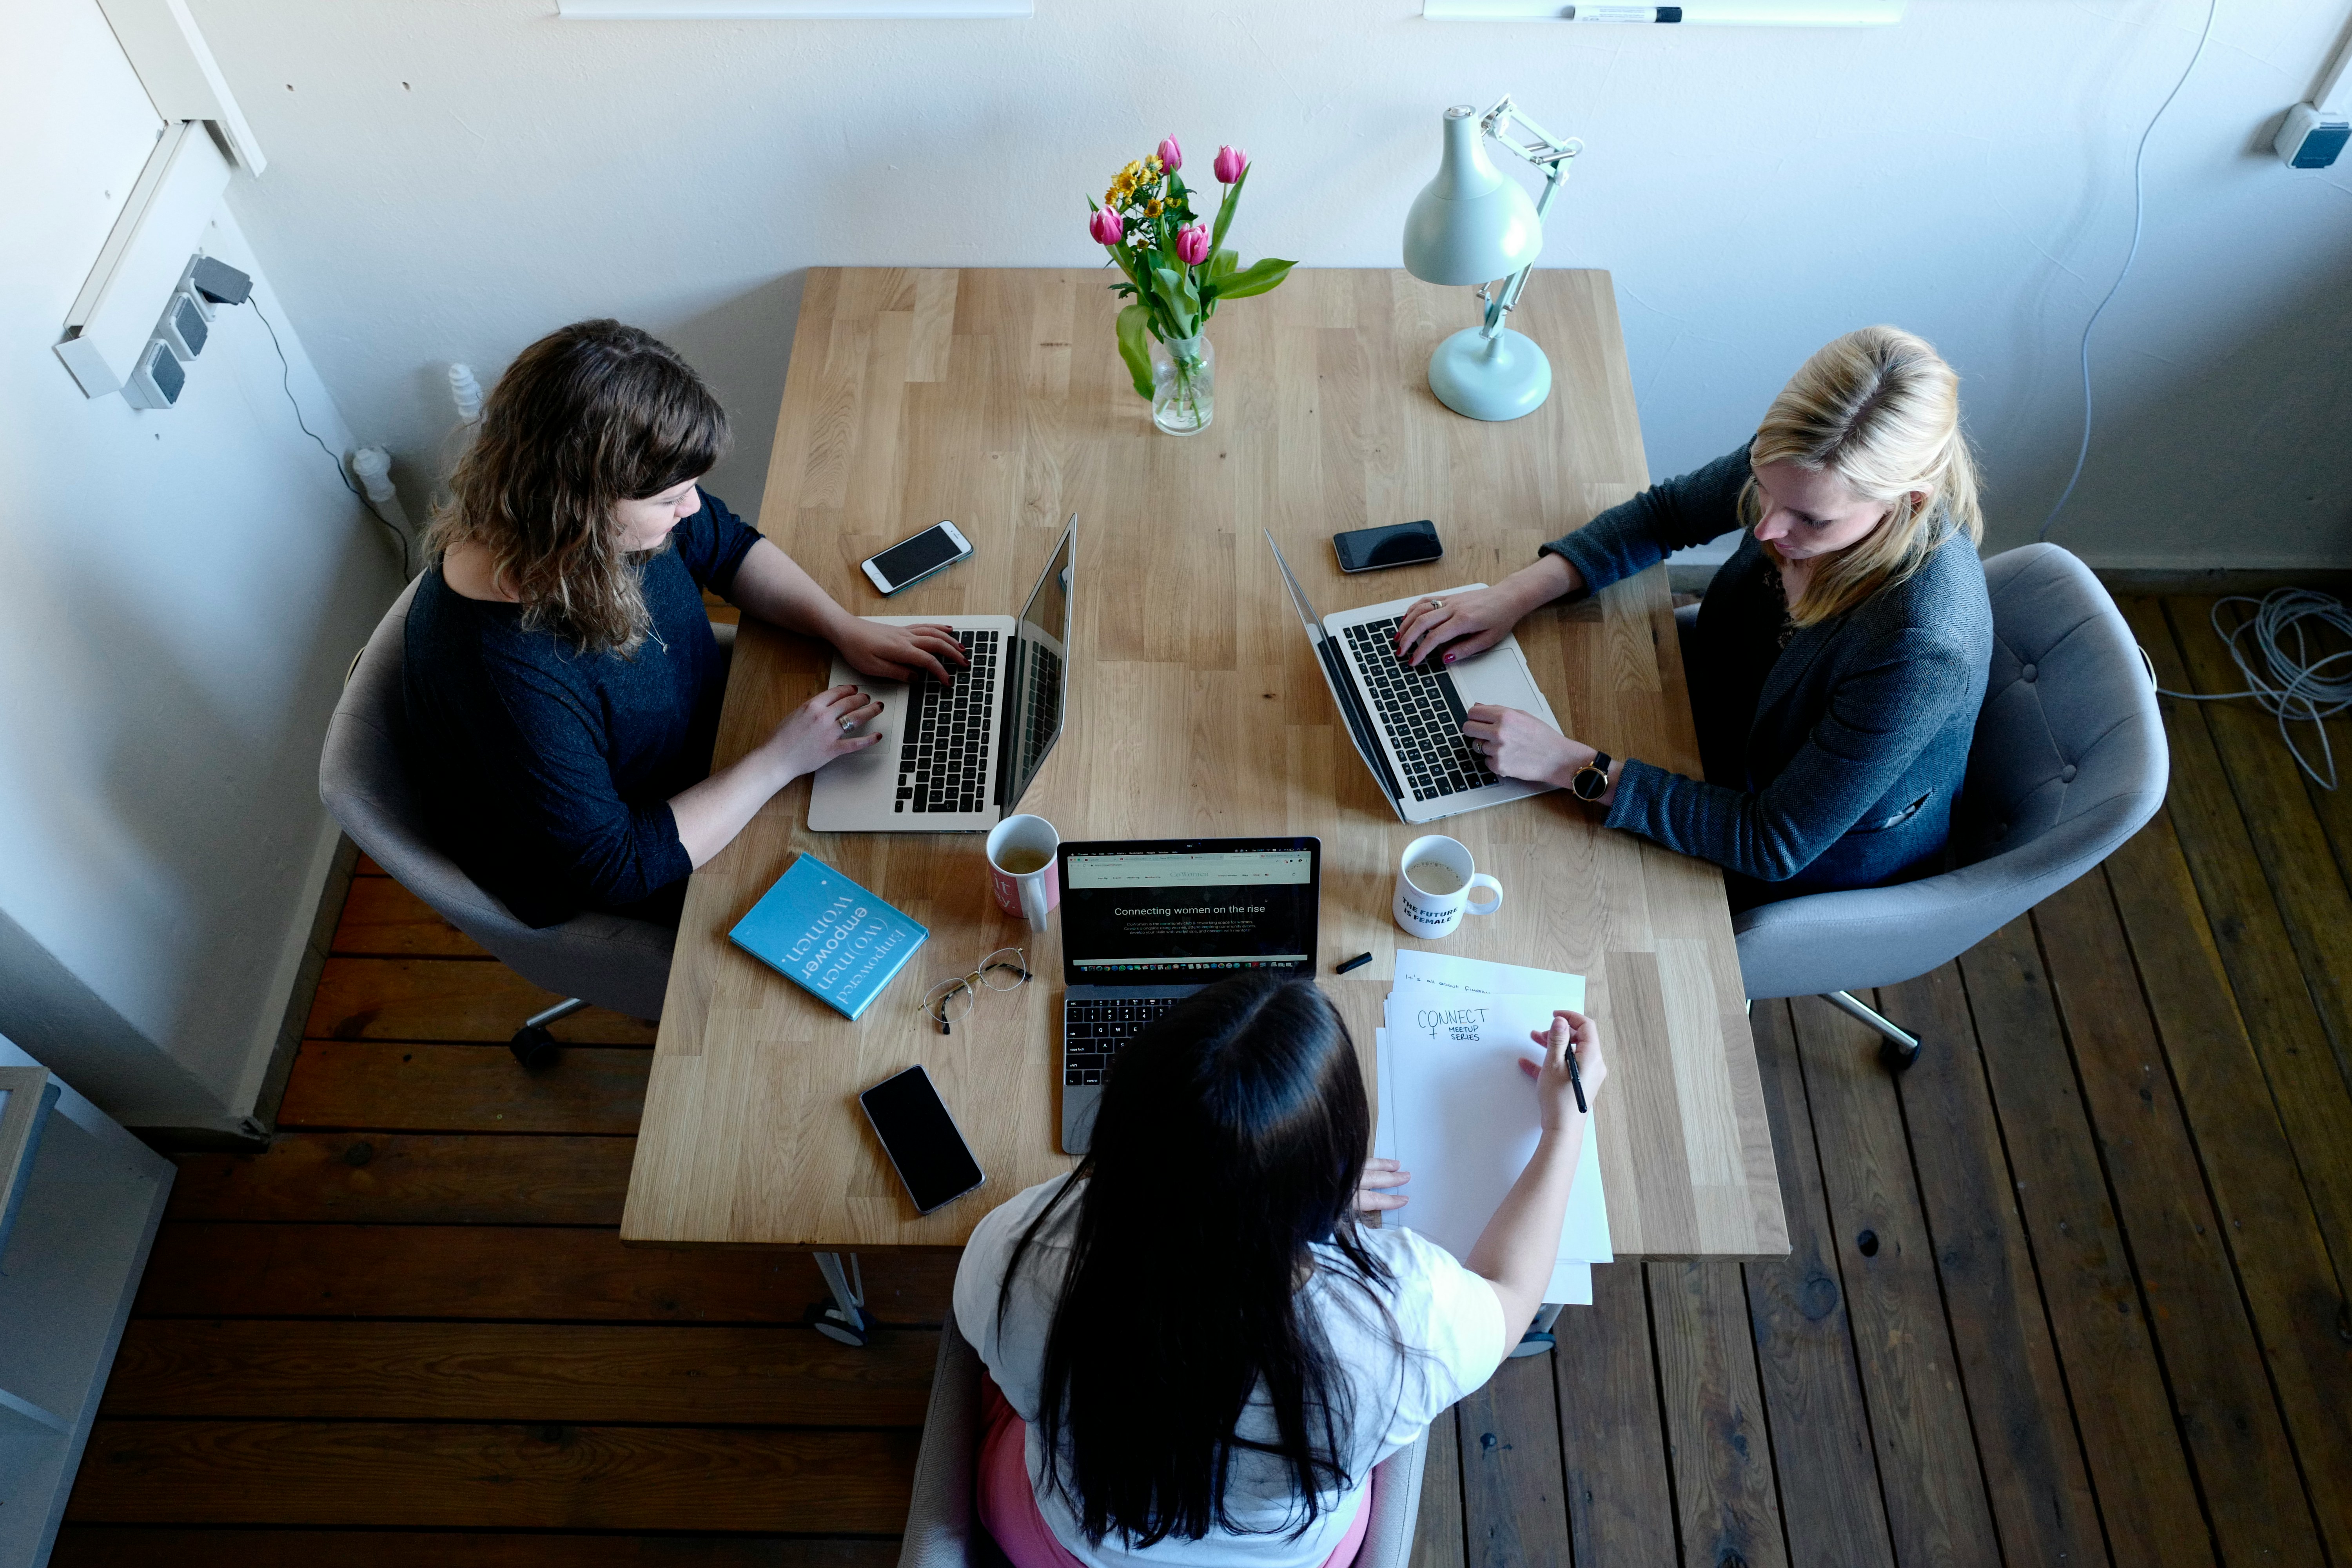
[(90, 1200)]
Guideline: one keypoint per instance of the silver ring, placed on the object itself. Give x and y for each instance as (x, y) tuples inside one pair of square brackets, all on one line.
[(847, 725), (1437, 604)]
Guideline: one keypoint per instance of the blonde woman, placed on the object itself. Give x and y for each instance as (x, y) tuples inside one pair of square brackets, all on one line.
[(563, 684), (1840, 656)]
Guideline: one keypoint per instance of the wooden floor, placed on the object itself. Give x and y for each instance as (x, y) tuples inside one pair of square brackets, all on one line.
[(2072, 1292)]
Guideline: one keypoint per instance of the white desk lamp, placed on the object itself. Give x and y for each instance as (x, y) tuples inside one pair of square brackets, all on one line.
[(1471, 225)]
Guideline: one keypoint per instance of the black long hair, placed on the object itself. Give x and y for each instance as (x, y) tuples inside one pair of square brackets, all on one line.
[(1229, 1142)]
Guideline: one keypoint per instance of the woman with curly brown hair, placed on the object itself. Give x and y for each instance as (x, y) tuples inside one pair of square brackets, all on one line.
[(561, 678)]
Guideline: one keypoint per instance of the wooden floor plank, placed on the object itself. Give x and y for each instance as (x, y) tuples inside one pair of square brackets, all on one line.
[(2257, 953), (1621, 1507), (1919, 1419), (1513, 1511), (409, 1179), (2313, 900), (493, 1273), (149, 1546), (1721, 1455), (2027, 1448), (464, 1477), (2293, 1289), (781, 1375), (382, 918), (2147, 1495), (420, 1088), (1437, 1538), (1829, 1491), (445, 999), (2213, 1363)]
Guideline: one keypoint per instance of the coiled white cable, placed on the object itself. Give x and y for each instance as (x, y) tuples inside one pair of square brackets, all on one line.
[(2281, 669)]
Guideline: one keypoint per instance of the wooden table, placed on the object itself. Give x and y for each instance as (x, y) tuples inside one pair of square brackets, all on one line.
[(997, 398)]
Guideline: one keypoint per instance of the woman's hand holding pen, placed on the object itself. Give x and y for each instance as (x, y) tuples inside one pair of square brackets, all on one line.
[(1572, 1071), (1372, 1194)]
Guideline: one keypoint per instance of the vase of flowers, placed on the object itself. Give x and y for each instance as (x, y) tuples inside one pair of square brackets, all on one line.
[(1177, 271)]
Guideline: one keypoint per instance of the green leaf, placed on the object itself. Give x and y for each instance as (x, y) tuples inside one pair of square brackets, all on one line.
[(1221, 263), (1260, 279), (1133, 322), (1225, 210)]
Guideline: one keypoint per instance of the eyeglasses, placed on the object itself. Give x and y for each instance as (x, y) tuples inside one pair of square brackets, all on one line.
[(1006, 969)]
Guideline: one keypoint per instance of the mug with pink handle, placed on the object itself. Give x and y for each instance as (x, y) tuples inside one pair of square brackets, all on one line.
[(1021, 855)]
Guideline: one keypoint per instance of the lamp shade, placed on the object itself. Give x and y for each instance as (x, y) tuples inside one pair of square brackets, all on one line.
[(1471, 223)]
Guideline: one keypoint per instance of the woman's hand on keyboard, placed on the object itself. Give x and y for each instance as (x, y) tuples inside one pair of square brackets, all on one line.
[(1521, 746), (1460, 624), (812, 735), (1474, 621), (901, 653)]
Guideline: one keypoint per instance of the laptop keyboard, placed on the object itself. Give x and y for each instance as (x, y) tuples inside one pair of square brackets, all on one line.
[(1093, 1030), (1422, 714), (943, 762)]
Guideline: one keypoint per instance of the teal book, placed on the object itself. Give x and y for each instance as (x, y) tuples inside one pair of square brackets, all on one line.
[(829, 936)]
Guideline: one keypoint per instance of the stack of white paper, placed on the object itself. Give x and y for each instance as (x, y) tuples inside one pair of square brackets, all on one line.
[(1456, 1111)]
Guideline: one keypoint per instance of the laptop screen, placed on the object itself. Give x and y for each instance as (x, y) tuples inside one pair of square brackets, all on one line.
[(1037, 675), (1179, 912)]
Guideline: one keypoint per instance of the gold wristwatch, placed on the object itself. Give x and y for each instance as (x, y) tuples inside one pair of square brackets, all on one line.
[(1592, 780)]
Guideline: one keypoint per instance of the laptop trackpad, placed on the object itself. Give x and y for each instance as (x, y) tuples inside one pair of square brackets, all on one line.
[(1498, 677)]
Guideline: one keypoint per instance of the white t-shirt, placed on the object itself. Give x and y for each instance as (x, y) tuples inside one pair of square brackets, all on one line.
[(1444, 1311)]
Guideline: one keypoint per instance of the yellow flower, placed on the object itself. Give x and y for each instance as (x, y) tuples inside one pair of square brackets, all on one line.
[(1154, 161), (1152, 208), (1133, 170)]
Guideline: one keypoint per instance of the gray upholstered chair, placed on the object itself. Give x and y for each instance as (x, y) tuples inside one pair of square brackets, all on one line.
[(2069, 761), (591, 959), (943, 1528)]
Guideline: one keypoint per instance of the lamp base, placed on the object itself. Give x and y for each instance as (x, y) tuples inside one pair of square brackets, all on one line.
[(1502, 377)]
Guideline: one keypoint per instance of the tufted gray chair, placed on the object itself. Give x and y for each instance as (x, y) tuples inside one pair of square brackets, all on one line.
[(604, 960), (2069, 761), (943, 1528)]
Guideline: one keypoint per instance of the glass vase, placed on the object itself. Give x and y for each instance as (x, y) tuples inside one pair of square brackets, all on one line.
[(1183, 384)]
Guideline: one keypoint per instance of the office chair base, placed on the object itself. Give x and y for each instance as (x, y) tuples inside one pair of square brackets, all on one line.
[(532, 1045), (835, 1323), (1897, 1046)]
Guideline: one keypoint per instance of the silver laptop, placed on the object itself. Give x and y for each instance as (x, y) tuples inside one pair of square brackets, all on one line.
[(1148, 921), (1406, 720), (957, 758)]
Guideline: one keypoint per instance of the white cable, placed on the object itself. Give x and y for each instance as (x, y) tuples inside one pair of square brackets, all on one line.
[(2139, 209), (2290, 682)]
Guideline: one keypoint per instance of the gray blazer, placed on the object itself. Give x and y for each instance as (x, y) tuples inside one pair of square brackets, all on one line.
[(1860, 740)]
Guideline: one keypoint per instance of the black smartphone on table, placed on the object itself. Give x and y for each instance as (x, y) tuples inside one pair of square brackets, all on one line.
[(910, 561), (922, 1139), (1401, 545)]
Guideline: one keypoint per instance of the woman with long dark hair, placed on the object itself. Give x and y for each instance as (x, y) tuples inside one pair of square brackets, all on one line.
[(561, 678), (1196, 1353)]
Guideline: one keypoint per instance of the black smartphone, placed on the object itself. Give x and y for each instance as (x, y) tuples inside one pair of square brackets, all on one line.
[(1401, 545), (910, 561), (922, 1139)]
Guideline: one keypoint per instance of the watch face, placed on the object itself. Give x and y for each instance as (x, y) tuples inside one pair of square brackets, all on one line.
[(1589, 783)]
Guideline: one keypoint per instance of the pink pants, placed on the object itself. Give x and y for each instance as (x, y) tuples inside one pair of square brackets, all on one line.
[(1008, 1505)]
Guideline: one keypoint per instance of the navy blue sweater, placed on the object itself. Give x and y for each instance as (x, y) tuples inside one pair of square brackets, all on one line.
[(548, 772), (1843, 758)]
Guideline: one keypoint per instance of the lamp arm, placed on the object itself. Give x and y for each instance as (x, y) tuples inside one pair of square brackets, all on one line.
[(1555, 176)]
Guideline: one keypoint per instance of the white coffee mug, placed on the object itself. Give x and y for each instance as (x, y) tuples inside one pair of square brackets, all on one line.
[(1021, 868), (1435, 881)]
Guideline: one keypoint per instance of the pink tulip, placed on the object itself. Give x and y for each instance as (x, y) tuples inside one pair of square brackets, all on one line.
[(1172, 156), (1231, 161), (1193, 245), (1106, 227)]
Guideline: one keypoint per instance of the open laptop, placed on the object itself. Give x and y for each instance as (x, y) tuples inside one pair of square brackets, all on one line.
[(957, 758), (1148, 921), (1406, 720)]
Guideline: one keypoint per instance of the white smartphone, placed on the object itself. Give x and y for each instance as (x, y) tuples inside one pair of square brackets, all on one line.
[(910, 561)]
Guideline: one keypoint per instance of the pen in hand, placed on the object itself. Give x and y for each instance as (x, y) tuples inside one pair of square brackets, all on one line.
[(1576, 1082)]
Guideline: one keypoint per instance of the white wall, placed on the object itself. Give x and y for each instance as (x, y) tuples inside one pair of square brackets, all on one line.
[(181, 592), (452, 179)]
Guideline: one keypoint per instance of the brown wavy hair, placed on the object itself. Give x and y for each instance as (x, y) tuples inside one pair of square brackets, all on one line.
[(590, 415)]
